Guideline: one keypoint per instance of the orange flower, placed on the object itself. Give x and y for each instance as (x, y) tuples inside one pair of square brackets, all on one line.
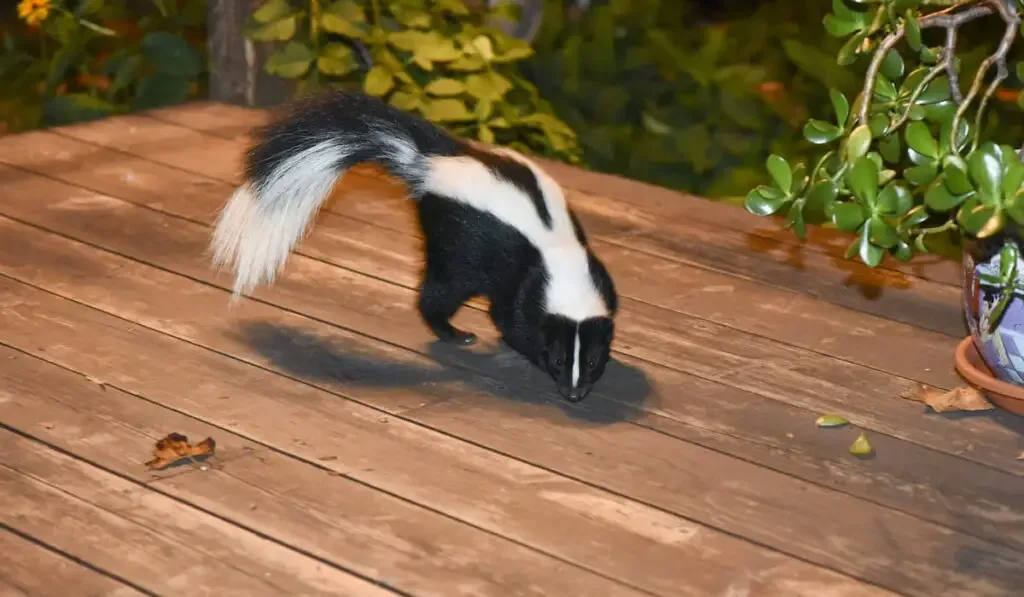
[(34, 12)]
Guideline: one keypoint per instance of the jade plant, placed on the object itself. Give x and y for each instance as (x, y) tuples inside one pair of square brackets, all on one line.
[(910, 159)]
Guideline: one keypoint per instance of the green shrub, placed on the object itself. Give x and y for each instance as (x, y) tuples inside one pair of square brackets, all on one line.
[(657, 95), (68, 61), (435, 57)]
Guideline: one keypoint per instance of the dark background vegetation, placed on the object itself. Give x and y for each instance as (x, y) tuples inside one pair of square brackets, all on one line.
[(685, 94)]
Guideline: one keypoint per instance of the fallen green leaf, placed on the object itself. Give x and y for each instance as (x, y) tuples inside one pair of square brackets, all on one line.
[(831, 421), (860, 446)]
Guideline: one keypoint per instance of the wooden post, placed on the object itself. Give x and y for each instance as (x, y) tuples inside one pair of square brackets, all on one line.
[(236, 62)]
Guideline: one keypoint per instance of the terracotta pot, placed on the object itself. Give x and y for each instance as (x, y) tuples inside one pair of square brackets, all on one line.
[(992, 362), (972, 367)]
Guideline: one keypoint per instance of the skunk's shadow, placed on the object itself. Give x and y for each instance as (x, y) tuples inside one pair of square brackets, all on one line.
[(499, 372)]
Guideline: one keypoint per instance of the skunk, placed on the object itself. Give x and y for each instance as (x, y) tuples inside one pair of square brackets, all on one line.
[(494, 224)]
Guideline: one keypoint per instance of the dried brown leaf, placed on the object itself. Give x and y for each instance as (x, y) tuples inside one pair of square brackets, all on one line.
[(964, 398), (175, 448)]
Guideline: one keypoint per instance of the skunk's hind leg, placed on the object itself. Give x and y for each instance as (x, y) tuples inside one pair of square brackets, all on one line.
[(440, 299)]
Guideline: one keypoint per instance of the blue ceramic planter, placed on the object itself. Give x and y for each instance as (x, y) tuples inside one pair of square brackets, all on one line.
[(1003, 349)]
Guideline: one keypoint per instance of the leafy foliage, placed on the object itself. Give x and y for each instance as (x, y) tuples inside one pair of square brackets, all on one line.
[(436, 57), (72, 61), (661, 92), (895, 172)]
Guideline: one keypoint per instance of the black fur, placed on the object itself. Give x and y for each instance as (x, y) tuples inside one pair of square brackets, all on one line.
[(469, 253)]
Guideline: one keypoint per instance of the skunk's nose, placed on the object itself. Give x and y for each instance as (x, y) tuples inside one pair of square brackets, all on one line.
[(574, 394)]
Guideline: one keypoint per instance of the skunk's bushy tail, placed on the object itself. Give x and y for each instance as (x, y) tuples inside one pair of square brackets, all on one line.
[(294, 164)]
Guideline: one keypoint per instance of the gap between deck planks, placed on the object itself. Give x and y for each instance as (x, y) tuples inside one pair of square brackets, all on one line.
[(24, 559), (232, 122), (745, 426), (152, 235), (301, 504), (157, 542), (820, 386), (529, 504), (883, 292), (783, 315)]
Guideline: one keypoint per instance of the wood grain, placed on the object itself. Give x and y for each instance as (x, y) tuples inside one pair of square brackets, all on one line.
[(916, 480), (300, 504), (32, 570), (787, 316), (146, 538), (527, 503), (235, 122), (992, 442), (885, 293), (623, 445)]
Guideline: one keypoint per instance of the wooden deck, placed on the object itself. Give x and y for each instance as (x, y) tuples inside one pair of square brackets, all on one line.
[(355, 457)]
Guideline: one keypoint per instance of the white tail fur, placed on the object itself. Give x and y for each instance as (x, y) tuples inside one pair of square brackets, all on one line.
[(260, 225)]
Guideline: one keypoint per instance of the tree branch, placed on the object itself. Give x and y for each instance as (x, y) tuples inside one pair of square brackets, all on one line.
[(1008, 13), (948, 19)]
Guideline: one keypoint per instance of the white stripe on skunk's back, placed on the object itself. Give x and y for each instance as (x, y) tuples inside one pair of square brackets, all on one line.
[(571, 291)]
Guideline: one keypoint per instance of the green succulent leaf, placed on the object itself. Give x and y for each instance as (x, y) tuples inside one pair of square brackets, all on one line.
[(878, 124), (862, 179), (890, 148), (902, 251), (882, 234), (913, 29), (923, 174), (848, 216), (858, 143), (870, 253), (780, 172), (822, 195), (1013, 177), (892, 65), (848, 53), (920, 139), (939, 198), (895, 200), (1014, 207), (840, 105), (974, 217), (915, 217), (937, 91), (986, 169), (758, 203), (795, 219), (820, 132), (884, 88)]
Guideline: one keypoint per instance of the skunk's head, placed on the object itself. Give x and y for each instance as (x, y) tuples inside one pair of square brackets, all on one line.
[(575, 353)]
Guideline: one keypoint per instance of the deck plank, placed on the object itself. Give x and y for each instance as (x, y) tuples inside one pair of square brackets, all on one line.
[(23, 560), (973, 499), (300, 504), (887, 293), (233, 122), (867, 396), (530, 504), (786, 316), (95, 515), (748, 517)]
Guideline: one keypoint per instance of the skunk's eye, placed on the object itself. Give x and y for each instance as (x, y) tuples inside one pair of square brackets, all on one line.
[(560, 361), (592, 363)]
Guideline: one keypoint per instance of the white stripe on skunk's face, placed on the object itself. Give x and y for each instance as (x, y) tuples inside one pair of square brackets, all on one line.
[(575, 354)]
